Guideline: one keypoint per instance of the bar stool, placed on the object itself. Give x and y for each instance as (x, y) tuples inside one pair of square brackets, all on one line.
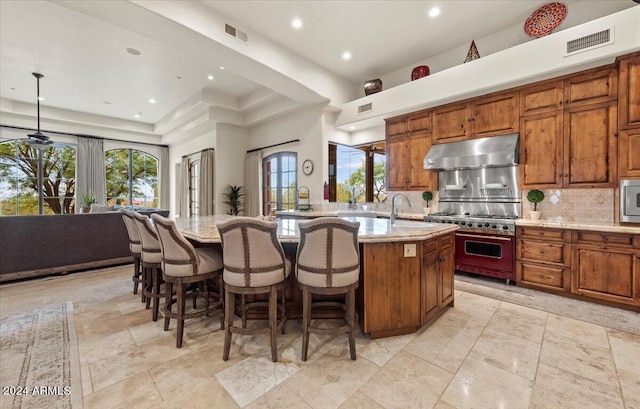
[(136, 248), (328, 263), (254, 263), (183, 264), (151, 262)]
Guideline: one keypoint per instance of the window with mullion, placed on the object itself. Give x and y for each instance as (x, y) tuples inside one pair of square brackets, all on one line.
[(280, 181)]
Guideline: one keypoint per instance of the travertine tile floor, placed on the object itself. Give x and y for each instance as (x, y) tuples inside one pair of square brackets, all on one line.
[(483, 353)]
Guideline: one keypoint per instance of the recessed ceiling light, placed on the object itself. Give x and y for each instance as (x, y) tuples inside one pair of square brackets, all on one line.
[(106, 102), (346, 55), (137, 115), (351, 128), (296, 23), (153, 101), (221, 67), (210, 77), (179, 77), (434, 12), (133, 51), (40, 98)]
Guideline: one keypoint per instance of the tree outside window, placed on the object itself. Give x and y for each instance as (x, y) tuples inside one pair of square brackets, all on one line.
[(131, 178), (19, 189)]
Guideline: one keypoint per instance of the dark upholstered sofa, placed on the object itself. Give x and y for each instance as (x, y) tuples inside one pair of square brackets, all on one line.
[(32, 246)]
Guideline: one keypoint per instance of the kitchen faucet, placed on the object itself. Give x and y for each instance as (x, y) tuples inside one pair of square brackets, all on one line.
[(394, 211)]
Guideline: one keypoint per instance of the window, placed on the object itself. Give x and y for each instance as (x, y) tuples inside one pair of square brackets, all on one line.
[(131, 178), (194, 182), (20, 192), (280, 181), (359, 172)]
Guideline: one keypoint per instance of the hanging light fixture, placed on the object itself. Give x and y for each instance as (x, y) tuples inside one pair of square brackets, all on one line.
[(37, 138)]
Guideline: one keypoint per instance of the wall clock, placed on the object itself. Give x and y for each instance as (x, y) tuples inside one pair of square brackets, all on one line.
[(307, 167)]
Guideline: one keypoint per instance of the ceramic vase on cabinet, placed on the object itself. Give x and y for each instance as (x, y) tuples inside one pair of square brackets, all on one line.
[(372, 86), (419, 72)]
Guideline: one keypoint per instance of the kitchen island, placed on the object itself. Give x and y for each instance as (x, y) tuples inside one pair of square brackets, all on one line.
[(406, 274)]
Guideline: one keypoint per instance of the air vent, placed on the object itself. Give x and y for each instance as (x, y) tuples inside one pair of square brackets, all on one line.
[(234, 32), (600, 38), (365, 108)]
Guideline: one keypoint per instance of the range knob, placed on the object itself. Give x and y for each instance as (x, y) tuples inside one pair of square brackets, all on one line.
[(463, 223), (505, 227), (494, 226), (486, 225)]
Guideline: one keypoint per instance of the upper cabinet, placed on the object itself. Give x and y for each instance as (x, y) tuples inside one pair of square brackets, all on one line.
[(487, 116), (595, 86), (541, 98), (408, 139), (629, 94)]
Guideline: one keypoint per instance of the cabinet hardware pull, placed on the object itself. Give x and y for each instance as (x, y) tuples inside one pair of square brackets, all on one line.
[(540, 275)]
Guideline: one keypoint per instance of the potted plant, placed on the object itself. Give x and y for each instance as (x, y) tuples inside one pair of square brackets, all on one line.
[(88, 198), (535, 196), (233, 199), (427, 197)]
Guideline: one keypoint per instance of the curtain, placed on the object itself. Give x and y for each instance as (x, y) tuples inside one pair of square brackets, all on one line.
[(90, 170), (206, 188), (252, 172), (163, 182), (182, 189)]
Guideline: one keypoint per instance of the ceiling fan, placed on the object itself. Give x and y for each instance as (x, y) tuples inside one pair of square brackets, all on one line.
[(38, 139)]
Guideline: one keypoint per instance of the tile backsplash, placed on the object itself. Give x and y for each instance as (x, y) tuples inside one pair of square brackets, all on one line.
[(582, 205)]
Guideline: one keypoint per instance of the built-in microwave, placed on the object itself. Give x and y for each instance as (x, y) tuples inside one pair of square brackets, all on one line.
[(630, 201)]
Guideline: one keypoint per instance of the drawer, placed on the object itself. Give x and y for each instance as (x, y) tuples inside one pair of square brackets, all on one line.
[(542, 275), (445, 241), (537, 232), (429, 246), (603, 238), (541, 251)]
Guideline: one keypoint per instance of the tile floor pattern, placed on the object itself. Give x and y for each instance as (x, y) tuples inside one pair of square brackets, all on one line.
[(483, 353)]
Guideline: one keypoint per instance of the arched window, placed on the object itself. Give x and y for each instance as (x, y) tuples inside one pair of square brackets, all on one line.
[(131, 178), (280, 181), (20, 192)]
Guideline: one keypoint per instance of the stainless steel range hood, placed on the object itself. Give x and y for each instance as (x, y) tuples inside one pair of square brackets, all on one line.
[(492, 151)]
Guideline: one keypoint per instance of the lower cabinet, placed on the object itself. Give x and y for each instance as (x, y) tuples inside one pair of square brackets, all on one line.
[(400, 294), (596, 265)]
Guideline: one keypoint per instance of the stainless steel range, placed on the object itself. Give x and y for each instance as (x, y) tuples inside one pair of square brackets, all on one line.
[(478, 191)]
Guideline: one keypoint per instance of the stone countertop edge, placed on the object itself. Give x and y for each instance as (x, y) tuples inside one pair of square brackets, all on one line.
[(572, 225), (329, 213)]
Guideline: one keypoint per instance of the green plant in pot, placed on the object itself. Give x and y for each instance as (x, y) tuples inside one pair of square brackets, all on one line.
[(427, 197), (233, 199), (88, 198), (535, 196)]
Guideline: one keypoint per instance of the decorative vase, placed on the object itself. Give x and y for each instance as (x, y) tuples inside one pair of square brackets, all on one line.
[(372, 86), (535, 215), (419, 72)]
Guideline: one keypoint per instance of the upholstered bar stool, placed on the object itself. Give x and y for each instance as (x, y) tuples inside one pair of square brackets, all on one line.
[(182, 264), (328, 263), (136, 248), (254, 263), (151, 262)]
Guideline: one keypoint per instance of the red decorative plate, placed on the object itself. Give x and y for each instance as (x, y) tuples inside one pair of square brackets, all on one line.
[(546, 19)]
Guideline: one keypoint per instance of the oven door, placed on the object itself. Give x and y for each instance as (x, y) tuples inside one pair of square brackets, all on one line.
[(491, 255)]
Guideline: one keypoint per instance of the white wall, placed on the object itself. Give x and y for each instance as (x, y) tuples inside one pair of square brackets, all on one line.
[(369, 135), (231, 150)]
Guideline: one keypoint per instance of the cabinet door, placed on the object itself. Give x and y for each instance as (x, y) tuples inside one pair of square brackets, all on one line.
[(451, 123), (496, 115), (543, 276), (541, 151), (629, 94), (419, 122), (593, 87), (446, 268), (421, 178), (608, 273), (590, 146), (629, 153), (429, 286), (537, 99), (396, 127), (397, 164)]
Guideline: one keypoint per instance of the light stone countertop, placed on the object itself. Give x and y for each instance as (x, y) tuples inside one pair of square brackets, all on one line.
[(571, 225), (334, 213), (372, 230)]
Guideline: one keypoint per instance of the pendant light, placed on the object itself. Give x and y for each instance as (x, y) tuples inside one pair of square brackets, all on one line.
[(37, 138)]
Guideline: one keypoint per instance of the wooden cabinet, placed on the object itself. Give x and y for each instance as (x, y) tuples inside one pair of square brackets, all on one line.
[(590, 145), (408, 139), (607, 266), (541, 150), (593, 87), (486, 116), (629, 153), (541, 98), (629, 93), (543, 258), (437, 281)]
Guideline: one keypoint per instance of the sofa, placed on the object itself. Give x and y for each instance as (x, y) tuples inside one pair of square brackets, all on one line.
[(32, 246)]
